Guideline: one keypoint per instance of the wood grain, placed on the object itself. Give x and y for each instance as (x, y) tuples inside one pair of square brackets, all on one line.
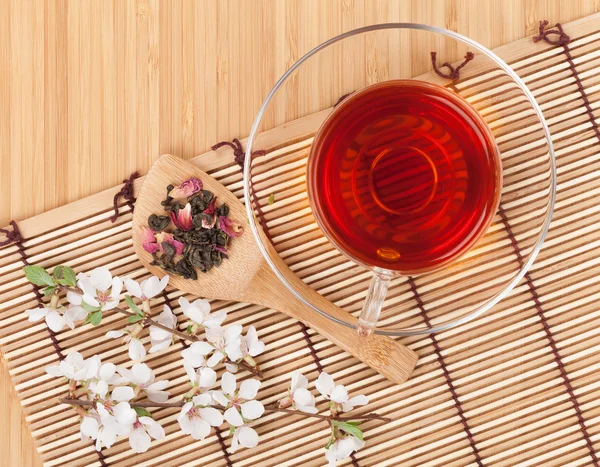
[(92, 90)]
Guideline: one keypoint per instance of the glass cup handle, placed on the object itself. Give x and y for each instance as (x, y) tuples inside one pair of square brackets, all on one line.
[(374, 301)]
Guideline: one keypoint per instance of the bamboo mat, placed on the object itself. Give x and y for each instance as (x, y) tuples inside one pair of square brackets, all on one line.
[(514, 387)]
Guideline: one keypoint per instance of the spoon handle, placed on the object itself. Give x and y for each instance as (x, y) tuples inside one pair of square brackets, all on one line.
[(386, 356)]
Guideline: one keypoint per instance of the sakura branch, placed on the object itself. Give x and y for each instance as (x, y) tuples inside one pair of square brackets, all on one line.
[(89, 297), (113, 401)]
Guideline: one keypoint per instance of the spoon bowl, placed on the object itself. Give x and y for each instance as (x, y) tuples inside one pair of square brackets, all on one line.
[(246, 277)]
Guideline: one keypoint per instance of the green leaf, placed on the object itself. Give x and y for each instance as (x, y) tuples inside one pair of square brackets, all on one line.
[(89, 308), (350, 428), (134, 318), (64, 275), (49, 291), (133, 306), (271, 199), (37, 275), (95, 318), (142, 412)]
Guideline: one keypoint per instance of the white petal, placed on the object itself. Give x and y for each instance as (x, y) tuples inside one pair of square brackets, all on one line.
[(298, 380), (355, 401), (160, 385), (303, 396), (212, 416), (133, 288), (345, 448), (228, 383), (55, 321), (160, 345), (231, 367), (183, 303), (215, 320), (141, 373), (191, 372), (139, 440), (234, 442), (251, 336), (194, 314), (89, 427), (136, 349), (90, 300), (101, 278), (103, 412), (192, 357), (153, 286), (307, 408), (233, 417), (117, 286), (85, 284), (73, 298), (124, 414), (107, 436), (114, 334), (75, 359), (339, 394), (234, 350), (220, 398), (215, 359), (67, 370), (325, 384), (100, 388), (248, 437), (71, 315), (232, 332), (203, 400), (107, 371), (331, 454), (122, 393), (252, 410), (110, 305), (208, 377), (36, 314), (249, 388), (256, 349), (200, 429), (157, 396), (203, 348), (153, 428), (54, 370)]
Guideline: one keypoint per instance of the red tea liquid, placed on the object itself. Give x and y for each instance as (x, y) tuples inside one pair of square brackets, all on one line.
[(404, 175)]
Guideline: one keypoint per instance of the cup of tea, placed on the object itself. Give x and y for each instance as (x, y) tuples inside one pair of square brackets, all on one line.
[(411, 191), (403, 177)]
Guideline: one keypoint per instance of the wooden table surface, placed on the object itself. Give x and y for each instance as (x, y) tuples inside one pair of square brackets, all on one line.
[(91, 90)]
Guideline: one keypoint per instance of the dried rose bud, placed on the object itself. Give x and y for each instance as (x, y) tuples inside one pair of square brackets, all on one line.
[(183, 219), (231, 228), (148, 240), (186, 189), (164, 237)]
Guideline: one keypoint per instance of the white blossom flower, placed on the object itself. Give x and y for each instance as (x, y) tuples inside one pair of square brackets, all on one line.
[(223, 341), (250, 346), (142, 376), (54, 318), (300, 397), (199, 313), (110, 428), (244, 436), (148, 289), (101, 376), (342, 448), (198, 416), (90, 425), (161, 339), (240, 404), (338, 394), (100, 289), (136, 348), (75, 312), (73, 367), (196, 366), (144, 428)]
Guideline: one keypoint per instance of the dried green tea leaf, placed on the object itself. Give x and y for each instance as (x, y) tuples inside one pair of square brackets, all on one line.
[(158, 223)]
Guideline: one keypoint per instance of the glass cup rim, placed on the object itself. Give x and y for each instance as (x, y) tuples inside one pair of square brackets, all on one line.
[(254, 226)]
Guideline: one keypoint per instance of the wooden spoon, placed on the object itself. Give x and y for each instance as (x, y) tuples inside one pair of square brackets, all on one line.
[(246, 277)]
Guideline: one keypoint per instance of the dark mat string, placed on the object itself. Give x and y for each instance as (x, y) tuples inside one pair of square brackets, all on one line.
[(553, 347), (440, 358), (125, 193)]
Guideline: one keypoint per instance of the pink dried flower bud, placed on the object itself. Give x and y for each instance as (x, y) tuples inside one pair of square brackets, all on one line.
[(231, 228), (183, 219), (148, 240), (186, 188)]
